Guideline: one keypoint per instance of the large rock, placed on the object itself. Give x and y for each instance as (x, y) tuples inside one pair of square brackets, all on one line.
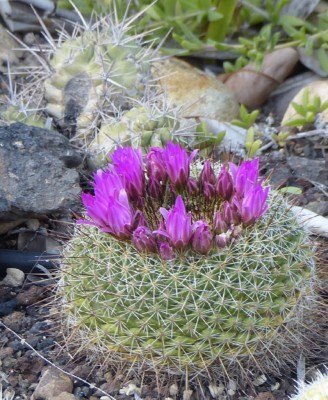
[(37, 174), (196, 93)]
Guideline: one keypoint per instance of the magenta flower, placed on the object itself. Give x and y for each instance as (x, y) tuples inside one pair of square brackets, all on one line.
[(245, 177), (119, 216), (253, 205), (177, 164), (224, 185), (111, 214), (230, 213), (106, 184), (222, 240), (96, 210), (155, 165), (166, 252), (177, 223), (127, 163), (144, 240), (219, 224), (202, 238), (207, 180)]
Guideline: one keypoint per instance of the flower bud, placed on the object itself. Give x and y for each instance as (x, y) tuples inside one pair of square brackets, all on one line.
[(166, 252), (202, 239), (155, 165), (144, 240), (224, 184), (222, 240), (220, 225), (207, 180), (230, 213)]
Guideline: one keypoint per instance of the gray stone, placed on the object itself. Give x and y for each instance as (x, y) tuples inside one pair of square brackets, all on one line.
[(52, 383), (15, 278), (37, 174), (311, 170)]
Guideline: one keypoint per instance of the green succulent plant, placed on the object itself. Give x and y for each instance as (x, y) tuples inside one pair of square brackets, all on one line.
[(307, 111), (239, 308)]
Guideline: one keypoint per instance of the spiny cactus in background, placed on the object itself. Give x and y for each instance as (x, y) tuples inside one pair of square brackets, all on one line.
[(316, 390), (98, 87), (142, 126), (187, 269)]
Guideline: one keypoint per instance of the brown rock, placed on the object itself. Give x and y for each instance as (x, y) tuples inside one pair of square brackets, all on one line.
[(31, 296), (195, 92), (52, 383), (6, 352), (14, 320), (252, 87)]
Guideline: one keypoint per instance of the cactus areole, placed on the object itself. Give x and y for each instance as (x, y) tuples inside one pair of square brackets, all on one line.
[(186, 265)]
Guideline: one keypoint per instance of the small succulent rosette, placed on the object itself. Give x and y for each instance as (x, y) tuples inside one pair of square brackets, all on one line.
[(188, 268)]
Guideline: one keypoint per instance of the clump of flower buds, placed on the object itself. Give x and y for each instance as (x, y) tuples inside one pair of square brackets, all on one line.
[(156, 204)]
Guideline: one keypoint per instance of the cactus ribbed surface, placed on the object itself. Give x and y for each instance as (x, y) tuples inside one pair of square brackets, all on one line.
[(238, 305), (95, 75)]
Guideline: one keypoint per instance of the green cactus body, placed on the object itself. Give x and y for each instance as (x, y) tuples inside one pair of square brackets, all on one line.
[(232, 307), (92, 76), (141, 126)]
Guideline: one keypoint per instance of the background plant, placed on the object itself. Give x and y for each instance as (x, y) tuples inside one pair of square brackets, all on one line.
[(211, 25)]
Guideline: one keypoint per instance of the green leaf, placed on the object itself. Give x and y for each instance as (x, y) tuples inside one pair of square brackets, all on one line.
[(253, 148), (324, 106), (295, 122), (290, 190), (213, 16), (243, 112), (323, 59), (316, 104), (300, 109), (310, 117)]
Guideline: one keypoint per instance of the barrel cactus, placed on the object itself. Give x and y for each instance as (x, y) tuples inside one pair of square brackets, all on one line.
[(99, 88), (187, 266)]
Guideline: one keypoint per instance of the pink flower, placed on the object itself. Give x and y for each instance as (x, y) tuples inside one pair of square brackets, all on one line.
[(245, 177), (207, 180), (111, 214), (144, 240), (230, 213), (222, 240), (224, 185), (166, 252), (106, 183), (202, 238), (155, 165), (219, 224), (253, 205), (127, 163), (177, 223), (177, 164), (119, 216)]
